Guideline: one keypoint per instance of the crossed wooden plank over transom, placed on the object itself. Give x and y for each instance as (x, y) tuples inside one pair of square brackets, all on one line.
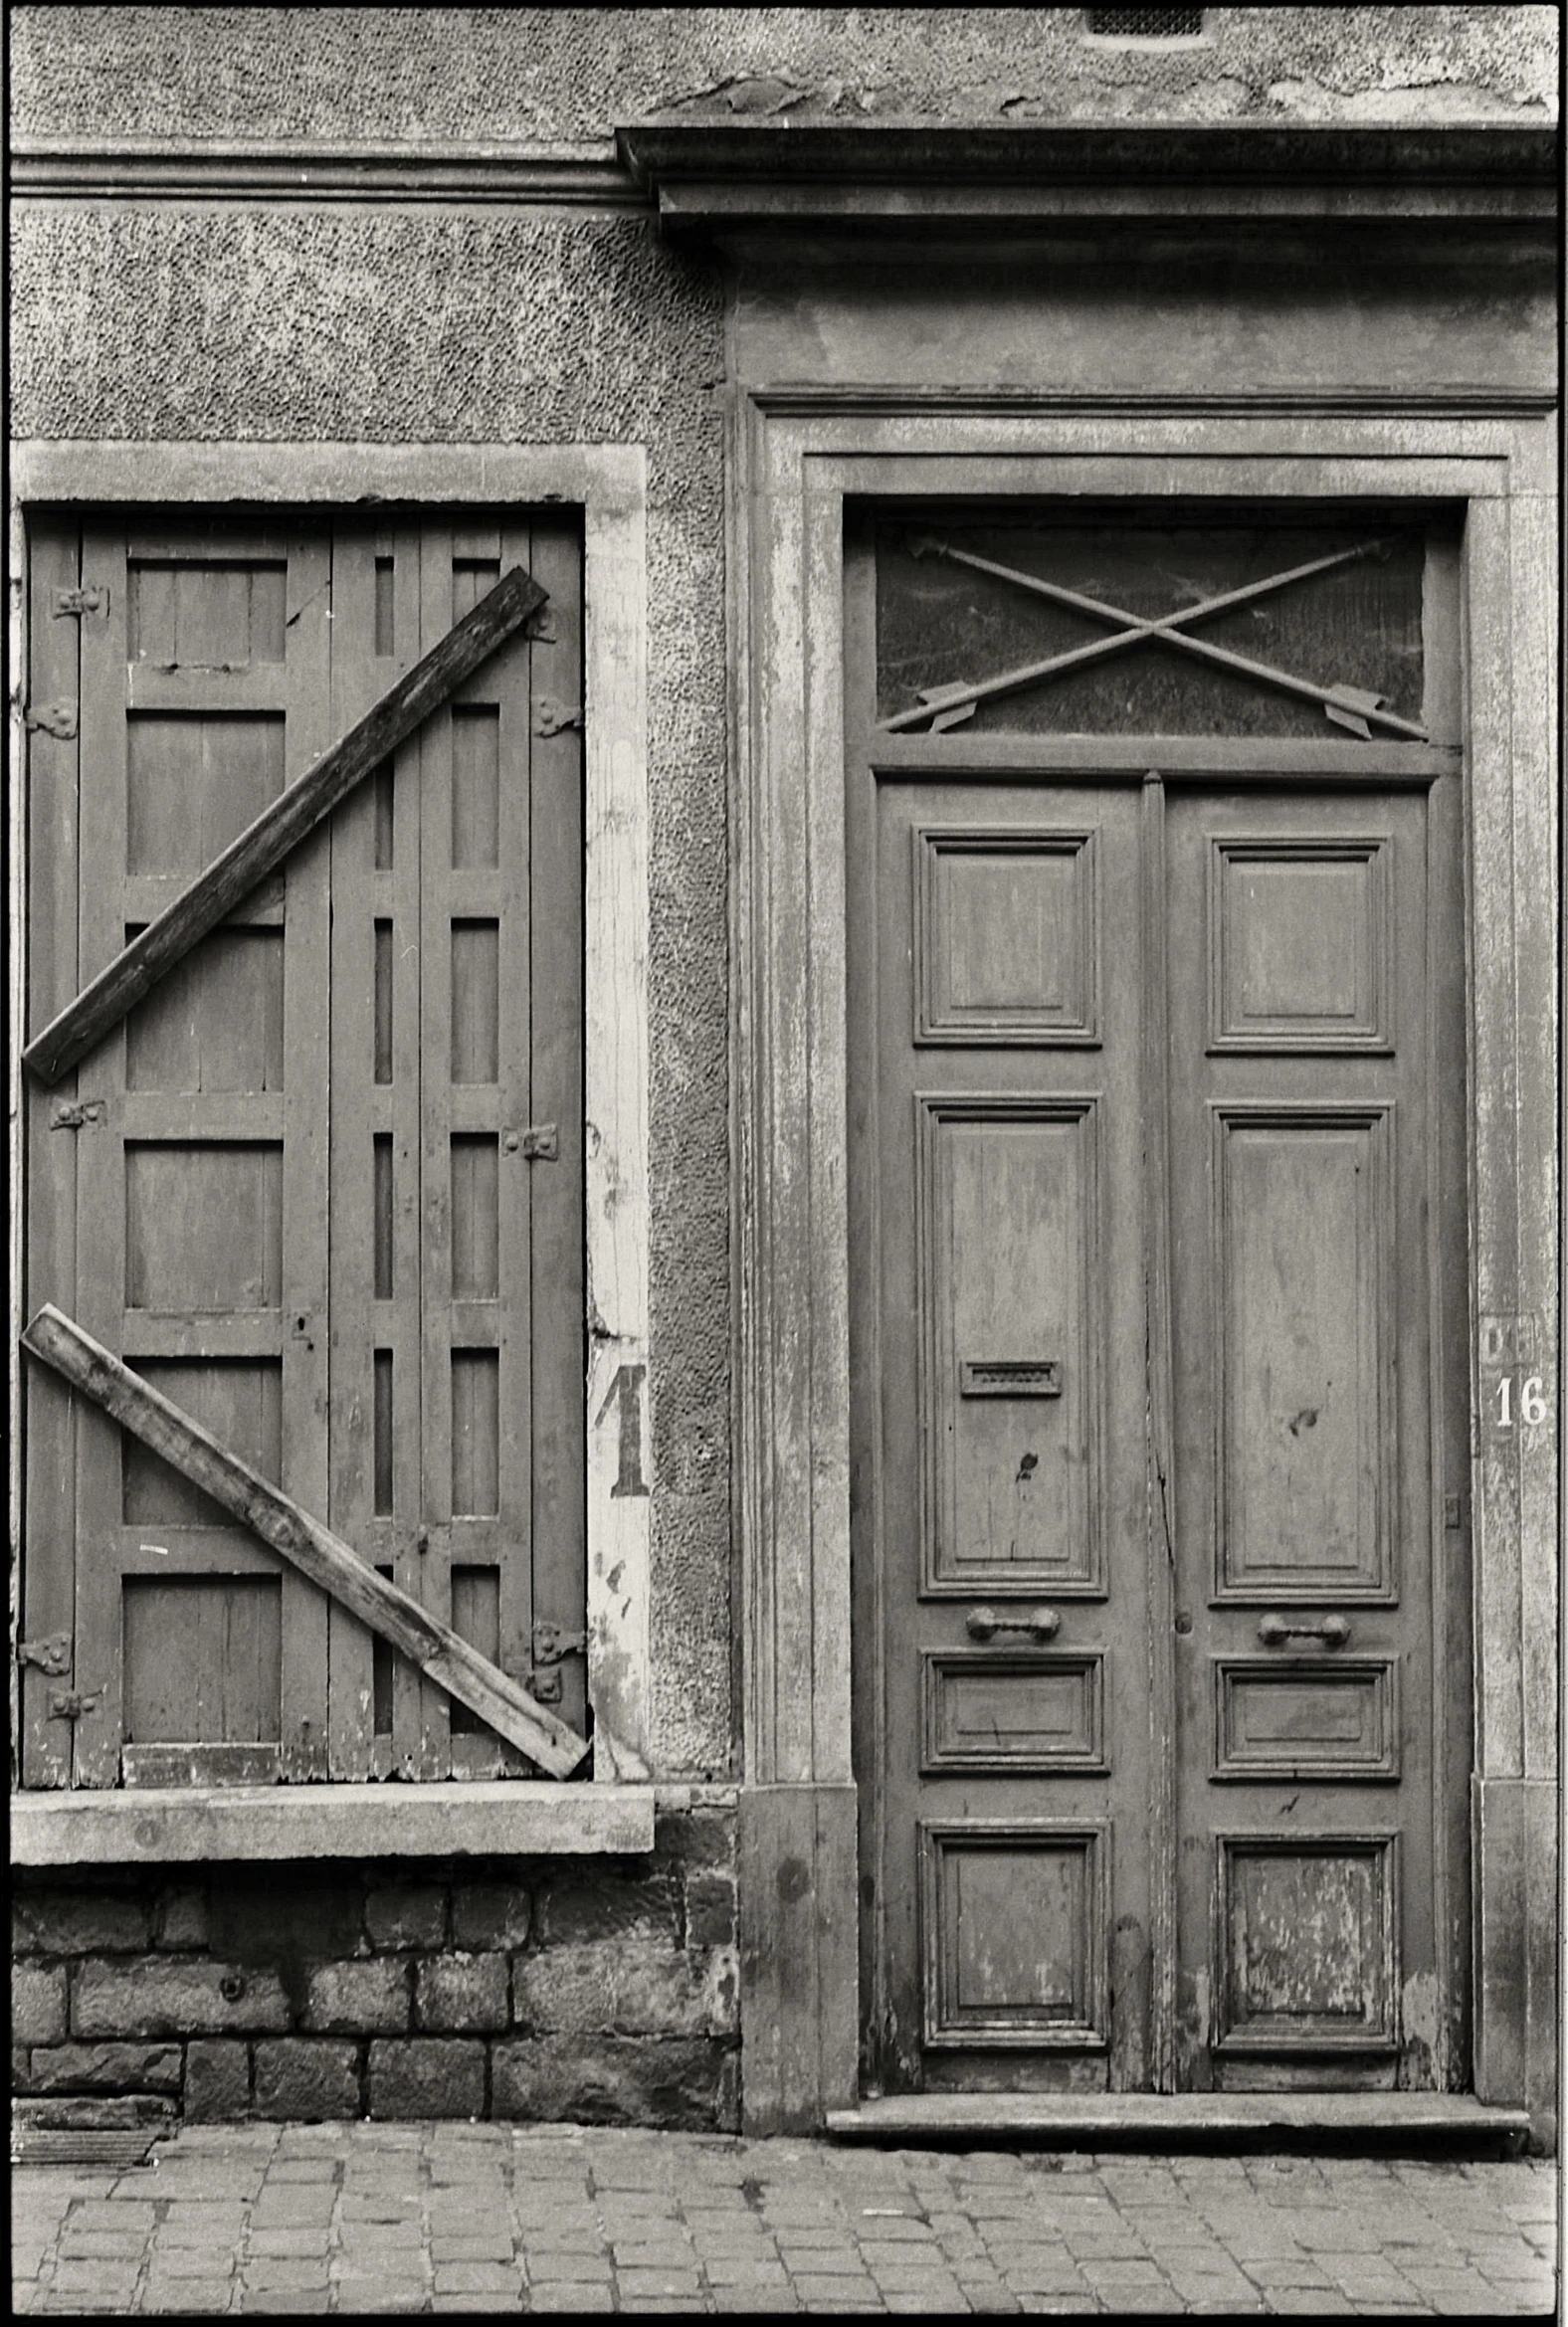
[(439, 1652), (1349, 707)]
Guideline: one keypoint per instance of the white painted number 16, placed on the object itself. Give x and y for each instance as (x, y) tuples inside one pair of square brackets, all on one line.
[(1533, 1406)]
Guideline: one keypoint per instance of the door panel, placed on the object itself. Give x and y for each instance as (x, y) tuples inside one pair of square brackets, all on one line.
[(1304, 1267), (1009, 1466)]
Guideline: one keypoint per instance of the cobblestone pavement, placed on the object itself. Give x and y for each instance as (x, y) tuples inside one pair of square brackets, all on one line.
[(379, 2218)]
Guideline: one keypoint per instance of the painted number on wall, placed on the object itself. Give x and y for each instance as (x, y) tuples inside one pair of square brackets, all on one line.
[(1531, 1407), (625, 1394)]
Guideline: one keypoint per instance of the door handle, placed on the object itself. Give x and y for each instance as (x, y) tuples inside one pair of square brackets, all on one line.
[(1041, 1624), (1333, 1631)]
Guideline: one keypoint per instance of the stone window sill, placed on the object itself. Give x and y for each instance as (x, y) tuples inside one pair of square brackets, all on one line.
[(158, 1824)]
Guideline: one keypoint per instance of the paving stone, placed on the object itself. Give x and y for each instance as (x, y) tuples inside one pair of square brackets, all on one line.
[(461, 2278), (304, 2241), (495, 2247), (94, 2276), (939, 2287), (1119, 2271), (116, 2213), (193, 2263), (284, 2270), (80, 2245), (720, 2270), (1304, 2299), (288, 2208)]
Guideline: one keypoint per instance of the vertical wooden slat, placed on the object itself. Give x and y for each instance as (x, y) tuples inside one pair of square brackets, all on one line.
[(397, 1322), (49, 1509), (431, 1585), (505, 681), (554, 1317), (306, 1154), (101, 1165), (375, 1160), (358, 621), (485, 864)]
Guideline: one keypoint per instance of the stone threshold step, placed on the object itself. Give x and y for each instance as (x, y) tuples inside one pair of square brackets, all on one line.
[(1364, 2120)]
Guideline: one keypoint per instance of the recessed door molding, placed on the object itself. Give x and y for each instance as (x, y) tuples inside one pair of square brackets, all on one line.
[(797, 460)]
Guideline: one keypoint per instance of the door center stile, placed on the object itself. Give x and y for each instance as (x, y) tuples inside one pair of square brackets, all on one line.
[(1161, 1545)]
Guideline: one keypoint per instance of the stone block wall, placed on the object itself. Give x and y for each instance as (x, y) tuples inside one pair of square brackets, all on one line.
[(597, 1989)]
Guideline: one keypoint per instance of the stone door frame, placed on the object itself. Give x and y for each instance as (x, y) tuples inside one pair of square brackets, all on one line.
[(796, 455)]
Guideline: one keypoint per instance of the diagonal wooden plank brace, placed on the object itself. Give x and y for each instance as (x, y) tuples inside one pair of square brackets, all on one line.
[(1350, 706), (320, 1554), (267, 840)]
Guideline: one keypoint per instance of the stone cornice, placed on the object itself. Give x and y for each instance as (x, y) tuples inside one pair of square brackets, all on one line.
[(585, 176), (724, 175), (721, 177)]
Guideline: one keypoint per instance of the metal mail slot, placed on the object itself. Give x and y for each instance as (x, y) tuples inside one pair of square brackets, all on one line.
[(1009, 1377)]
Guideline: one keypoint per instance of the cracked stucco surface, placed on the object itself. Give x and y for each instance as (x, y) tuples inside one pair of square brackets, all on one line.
[(574, 72)]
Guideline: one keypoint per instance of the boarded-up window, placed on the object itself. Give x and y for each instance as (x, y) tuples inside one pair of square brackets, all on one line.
[(302, 1188)]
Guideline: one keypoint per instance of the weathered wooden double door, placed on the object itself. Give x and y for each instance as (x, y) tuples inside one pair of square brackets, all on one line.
[(1156, 1004)]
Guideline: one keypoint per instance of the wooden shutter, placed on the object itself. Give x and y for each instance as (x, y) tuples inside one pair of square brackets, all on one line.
[(199, 1160), (458, 1356), (307, 1193)]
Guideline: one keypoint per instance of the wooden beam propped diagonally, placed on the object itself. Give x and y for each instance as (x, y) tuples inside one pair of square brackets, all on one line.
[(314, 1550), (281, 827)]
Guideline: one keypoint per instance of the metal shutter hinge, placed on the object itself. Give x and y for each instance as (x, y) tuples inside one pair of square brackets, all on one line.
[(69, 1705), (52, 719), (555, 715), (73, 1113), (92, 600), (50, 1655), (551, 1642), (540, 1143)]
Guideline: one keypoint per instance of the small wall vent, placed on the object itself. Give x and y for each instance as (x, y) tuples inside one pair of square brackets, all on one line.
[(1143, 27)]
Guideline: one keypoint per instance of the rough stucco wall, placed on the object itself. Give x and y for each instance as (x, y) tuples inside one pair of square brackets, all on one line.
[(386, 326), (574, 72)]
